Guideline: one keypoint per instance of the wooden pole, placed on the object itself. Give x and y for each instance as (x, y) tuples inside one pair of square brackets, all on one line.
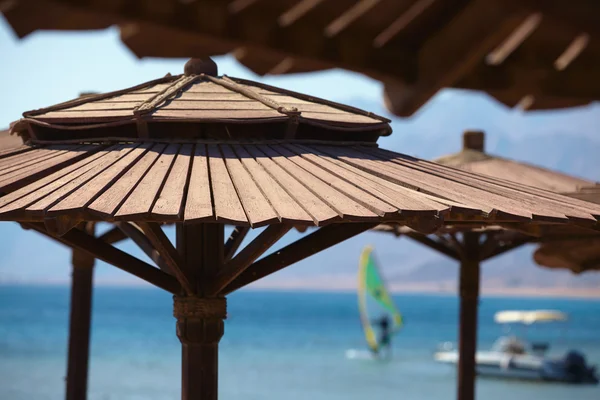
[(469, 299), (200, 318), (80, 322)]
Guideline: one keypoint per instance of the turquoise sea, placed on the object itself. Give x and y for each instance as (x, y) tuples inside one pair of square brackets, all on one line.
[(277, 345)]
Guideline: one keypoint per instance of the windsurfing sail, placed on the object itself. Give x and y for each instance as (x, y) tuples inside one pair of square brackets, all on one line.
[(371, 288)]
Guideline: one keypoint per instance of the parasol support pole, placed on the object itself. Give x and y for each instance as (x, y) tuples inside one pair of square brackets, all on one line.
[(200, 317), (469, 302), (80, 322), (199, 329)]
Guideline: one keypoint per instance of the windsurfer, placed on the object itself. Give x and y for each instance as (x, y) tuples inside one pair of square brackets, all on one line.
[(385, 337)]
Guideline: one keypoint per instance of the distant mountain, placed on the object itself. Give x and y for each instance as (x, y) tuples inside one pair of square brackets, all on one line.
[(567, 141)]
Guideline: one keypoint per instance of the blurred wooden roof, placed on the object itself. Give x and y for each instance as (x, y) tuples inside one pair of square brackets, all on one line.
[(537, 54), (578, 255), (8, 141), (589, 193), (474, 158)]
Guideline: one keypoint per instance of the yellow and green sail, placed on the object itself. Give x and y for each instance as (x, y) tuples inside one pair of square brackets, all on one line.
[(372, 286)]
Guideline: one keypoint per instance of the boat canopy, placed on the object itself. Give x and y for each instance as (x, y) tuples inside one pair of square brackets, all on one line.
[(529, 317)]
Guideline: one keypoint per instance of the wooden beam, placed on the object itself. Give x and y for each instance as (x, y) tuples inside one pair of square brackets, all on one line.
[(235, 241), (313, 243), (433, 244), (138, 237), (169, 254), (412, 13), (247, 256), (503, 248), (514, 40), (473, 32), (111, 255), (80, 319), (469, 282), (113, 235)]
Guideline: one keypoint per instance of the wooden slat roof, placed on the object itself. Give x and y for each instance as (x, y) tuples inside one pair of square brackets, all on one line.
[(589, 193), (203, 98), (537, 54), (260, 183), (579, 255), (477, 160)]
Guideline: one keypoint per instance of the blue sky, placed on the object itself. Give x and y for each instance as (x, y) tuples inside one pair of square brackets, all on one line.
[(49, 67)]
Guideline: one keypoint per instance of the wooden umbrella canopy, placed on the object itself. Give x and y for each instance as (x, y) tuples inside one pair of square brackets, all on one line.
[(201, 151), (536, 54), (470, 244), (577, 255)]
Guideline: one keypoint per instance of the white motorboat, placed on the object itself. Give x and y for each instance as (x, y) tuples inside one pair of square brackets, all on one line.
[(511, 357)]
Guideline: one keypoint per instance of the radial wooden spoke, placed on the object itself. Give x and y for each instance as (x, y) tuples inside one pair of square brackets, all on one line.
[(247, 256), (138, 237), (79, 240), (503, 248), (235, 241), (161, 242), (113, 235), (434, 244), (311, 244)]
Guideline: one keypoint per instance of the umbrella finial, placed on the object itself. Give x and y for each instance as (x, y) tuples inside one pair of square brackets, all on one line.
[(473, 140), (197, 66)]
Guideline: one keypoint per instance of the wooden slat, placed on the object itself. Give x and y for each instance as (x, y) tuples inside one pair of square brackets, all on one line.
[(227, 203), (154, 89), (94, 114), (189, 96), (217, 114), (320, 211), (142, 198), (77, 200), (104, 105), (128, 97), (346, 207), (108, 202), (207, 87), (198, 205), (337, 117), (27, 195), (214, 105), (15, 150), (32, 158), (541, 201), (37, 171), (286, 207), (256, 206), (408, 201), (430, 184), (48, 199), (360, 196), (169, 205)]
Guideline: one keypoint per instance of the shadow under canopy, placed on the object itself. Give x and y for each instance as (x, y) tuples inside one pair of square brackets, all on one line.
[(201, 151)]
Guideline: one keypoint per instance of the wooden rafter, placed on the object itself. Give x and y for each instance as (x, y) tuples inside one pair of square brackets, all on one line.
[(79, 240), (138, 237), (310, 244), (505, 247), (113, 235), (434, 244), (247, 256), (165, 248), (235, 241)]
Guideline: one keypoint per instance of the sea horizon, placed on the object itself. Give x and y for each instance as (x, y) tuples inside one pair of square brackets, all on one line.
[(592, 294)]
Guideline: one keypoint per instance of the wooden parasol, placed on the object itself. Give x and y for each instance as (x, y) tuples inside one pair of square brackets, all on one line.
[(470, 244), (201, 151), (527, 53)]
